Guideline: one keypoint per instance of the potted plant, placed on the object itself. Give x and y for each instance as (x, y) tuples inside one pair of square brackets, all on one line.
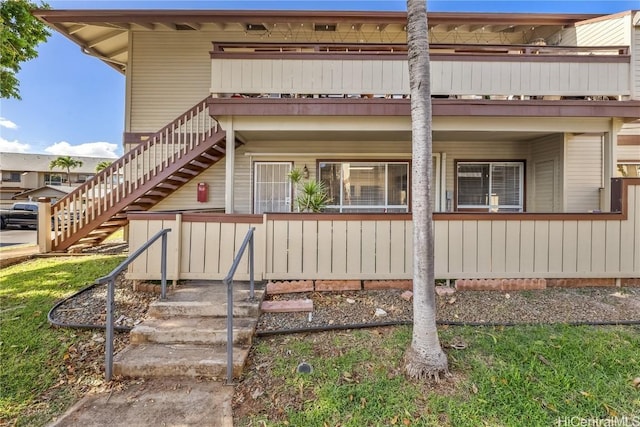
[(309, 195)]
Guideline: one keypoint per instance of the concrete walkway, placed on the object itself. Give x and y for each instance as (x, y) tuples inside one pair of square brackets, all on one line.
[(155, 402), (15, 255)]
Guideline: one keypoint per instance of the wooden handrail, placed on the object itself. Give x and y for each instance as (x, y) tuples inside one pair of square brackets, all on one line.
[(229, 49)]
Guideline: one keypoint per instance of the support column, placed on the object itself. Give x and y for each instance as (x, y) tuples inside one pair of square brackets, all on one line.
[(230, 158), (44, 225), (610, 161)]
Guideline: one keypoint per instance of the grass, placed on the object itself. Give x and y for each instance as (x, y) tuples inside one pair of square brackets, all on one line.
[(534, 376), (31, 351)]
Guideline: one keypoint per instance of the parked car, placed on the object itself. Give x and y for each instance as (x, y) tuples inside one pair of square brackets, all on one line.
[(22, 214)]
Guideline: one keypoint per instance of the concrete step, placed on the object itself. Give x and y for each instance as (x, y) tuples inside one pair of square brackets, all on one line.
[(170, 309), (178, 360), (193, 330), (207, 299)]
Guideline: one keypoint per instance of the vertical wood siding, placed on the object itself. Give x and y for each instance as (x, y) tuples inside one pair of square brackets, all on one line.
[(310, 247), (449, 77), (196, 249)]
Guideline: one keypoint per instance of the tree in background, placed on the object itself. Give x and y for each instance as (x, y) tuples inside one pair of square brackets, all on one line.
[(424, 358), (20, 34), (103, 165), (65, 162)]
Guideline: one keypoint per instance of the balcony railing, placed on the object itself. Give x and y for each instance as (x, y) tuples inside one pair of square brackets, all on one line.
[(495, 71)]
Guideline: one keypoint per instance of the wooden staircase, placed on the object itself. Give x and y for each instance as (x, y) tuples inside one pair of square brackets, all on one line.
[(144, 176)]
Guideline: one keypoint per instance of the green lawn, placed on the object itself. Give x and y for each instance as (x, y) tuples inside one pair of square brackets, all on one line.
[(517, 376), (31, 351)]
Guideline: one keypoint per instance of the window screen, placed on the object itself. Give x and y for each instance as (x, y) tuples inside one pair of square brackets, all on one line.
[(497, 186)]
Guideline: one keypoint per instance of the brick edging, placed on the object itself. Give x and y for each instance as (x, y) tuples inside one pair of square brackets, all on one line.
[(293, 286)]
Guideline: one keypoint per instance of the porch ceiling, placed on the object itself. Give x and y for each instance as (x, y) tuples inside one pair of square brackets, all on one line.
[(395, 135)]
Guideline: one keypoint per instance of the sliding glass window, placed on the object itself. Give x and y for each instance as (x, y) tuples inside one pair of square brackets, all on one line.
[(366, 186)]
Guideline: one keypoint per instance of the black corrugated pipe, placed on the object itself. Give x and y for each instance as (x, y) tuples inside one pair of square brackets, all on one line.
[(57, 324), (342, 327), (442, 322)]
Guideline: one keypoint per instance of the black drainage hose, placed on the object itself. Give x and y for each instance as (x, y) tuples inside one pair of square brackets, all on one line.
[(311, 329), (57, 324), (440, 322)]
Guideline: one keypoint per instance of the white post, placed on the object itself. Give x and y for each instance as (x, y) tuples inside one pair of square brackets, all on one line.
[(230, 159), (177, 236), (610, 161)]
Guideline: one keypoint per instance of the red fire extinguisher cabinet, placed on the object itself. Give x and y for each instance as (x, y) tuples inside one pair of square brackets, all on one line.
[(203, 192)]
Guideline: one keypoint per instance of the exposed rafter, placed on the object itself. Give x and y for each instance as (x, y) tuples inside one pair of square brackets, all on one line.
[(146, 25), (75, 28), (103, 38)]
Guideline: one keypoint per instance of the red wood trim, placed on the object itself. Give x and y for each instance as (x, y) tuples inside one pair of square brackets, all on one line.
[(136, 137), (222, 218), (535, 58), (321, 56), (197, 217), (271, 16), (401, 107), (402, 56), (338, 216), (386, 51), (628, 139)]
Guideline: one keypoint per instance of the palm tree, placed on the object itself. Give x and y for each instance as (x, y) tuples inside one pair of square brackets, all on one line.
[(424, 358), (65, 162), (103, 165)]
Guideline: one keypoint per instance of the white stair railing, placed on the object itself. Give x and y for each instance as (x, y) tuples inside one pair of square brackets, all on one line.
[(95, 199)]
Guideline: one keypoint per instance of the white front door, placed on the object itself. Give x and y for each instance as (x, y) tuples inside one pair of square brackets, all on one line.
[(272, 187)]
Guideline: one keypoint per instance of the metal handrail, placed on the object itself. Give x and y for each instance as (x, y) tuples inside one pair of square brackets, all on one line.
[(228, 280), (111, 280)]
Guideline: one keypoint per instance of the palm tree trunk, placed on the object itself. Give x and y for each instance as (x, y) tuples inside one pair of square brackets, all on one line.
[(424, 359)]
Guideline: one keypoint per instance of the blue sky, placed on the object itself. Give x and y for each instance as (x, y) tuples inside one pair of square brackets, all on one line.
[(73, 104)]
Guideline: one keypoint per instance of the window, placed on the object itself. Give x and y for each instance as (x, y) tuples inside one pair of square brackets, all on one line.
[(494, 186), (366, 186), (52, 179), (11, 176)]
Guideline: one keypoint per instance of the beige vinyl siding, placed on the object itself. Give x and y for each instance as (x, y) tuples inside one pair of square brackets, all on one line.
[(583, 174), (609, 32), (544, 192), (629, 152), (170, 72), (293, 151)]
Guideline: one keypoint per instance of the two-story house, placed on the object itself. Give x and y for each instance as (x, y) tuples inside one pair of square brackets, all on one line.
[(222, 105), (22, 174)]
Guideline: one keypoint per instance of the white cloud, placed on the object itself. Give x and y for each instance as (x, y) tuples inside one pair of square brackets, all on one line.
[(13, 146), (88, 149), (6, 123)]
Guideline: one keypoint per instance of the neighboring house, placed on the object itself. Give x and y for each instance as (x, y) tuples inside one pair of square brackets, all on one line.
[(52, 192), (21, 172), (530, 112)]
